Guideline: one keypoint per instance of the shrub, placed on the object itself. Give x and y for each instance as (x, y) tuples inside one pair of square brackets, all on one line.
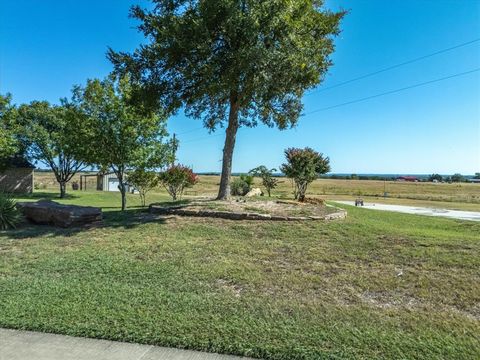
[(9, 214), (143, 181), (248, 179), (268, 181), (303, 166), (176, 179), (239, 187)]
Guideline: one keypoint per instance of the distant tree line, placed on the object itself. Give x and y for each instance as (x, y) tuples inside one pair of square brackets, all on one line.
[(455, 178)]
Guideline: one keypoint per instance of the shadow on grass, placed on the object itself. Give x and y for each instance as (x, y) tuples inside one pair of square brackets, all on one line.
[(127, 219), (43, 195)]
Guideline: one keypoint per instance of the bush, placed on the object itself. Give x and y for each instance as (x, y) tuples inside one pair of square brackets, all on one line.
[(239, 187), (9, 214), (176, 179), (248, 179), (303, 166)]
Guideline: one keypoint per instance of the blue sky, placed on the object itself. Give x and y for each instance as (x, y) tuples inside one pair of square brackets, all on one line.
[(47, 46)]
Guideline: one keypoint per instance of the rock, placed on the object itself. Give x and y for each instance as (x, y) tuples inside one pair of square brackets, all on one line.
[(340, 214), (255, 216), (52, 213), (278, 218), (254, 192)]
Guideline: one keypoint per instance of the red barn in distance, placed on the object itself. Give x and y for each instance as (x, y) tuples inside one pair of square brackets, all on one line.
[(407, 178)]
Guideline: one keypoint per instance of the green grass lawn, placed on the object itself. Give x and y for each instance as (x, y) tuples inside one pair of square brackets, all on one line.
[(271, 290)]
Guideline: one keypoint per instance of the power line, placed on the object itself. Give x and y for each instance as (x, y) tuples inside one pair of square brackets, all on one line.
[(394, 66), (361, 99), (358, 78), (391, 91), (201, 138), (190, 131)]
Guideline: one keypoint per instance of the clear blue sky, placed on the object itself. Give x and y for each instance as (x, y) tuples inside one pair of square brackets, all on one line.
[(47, 46)]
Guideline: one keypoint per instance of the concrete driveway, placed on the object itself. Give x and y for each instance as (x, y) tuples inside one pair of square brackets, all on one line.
[(453, 214), (27, 345)]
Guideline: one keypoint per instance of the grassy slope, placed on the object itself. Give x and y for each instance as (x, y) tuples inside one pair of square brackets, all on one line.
[(273, 290)]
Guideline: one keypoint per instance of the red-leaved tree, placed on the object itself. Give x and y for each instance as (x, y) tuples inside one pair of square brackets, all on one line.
[(176, 179)]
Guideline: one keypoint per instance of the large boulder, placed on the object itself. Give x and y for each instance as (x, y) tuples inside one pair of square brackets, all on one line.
[(52, 213), (254, 192)]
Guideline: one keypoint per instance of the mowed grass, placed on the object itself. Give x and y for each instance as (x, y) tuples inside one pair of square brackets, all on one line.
[(377, 285)]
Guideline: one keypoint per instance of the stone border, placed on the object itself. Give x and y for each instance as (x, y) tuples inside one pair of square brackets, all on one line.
[(181, 211)]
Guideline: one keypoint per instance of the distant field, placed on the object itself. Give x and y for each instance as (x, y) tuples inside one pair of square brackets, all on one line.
[(457, 196)]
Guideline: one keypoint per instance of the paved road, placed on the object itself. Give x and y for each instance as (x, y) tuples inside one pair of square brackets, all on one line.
[(453, 214), (26, 345)]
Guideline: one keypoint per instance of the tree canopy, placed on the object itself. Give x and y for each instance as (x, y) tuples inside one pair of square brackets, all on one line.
[(122, 134), (457, 177), (8, 141), (176, 179), (49, 133), (303, 166), (144, 181), (234, 62)]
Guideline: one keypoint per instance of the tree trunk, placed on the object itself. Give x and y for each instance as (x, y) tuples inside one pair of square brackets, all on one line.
[(63, 189), (224, 191), (124, 197), (123, 190)]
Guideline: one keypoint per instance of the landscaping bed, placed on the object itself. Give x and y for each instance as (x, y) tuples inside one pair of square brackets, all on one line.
[(252, 209)]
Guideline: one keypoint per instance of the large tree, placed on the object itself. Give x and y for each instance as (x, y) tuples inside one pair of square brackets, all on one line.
[(8, 140), (233, 62), (123, 135), (50, 135)]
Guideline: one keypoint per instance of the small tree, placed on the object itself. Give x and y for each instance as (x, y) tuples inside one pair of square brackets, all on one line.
[(477, 176), (176, 179), (122, 134), (144, 181), (268, 181), (303, 166), (50, 134)]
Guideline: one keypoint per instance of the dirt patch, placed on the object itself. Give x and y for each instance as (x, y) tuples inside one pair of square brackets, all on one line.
[(252, 209)]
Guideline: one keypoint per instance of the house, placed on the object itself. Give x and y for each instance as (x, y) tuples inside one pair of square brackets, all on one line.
[(475, 181), (407, 178), (17, 175)]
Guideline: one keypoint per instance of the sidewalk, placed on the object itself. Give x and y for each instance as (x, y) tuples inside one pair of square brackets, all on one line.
[(27, 345)]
